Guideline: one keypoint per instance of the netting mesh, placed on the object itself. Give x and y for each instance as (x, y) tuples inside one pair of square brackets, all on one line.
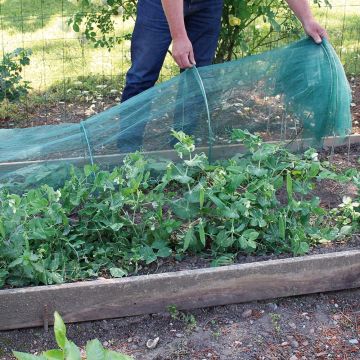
[(296, 93)]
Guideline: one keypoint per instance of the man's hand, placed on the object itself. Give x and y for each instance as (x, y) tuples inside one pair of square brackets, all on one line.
[(301, 9), (182, 49), (182, 52), (315, 30)]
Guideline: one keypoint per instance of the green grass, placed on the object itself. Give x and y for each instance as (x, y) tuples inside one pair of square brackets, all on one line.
[(60, 54)]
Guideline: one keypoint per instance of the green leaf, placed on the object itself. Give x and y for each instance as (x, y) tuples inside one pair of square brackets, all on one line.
[(184, 210), (188, 237), (117, 272), (202, 233), (3, 276), (227, 259), (54, 354), (282, 228), (229, 213), (94, 350), (250, 234), (303, 248), (183, 179), (2, 228), (289, 185), (59, 330), (116, 227), (346, 230), (112, 355), (71, 351), (217, 201), (24, 356), (164, 252), (201, 198), (148, 254)]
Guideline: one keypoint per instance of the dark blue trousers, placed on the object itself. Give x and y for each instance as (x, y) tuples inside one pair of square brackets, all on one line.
[(150, 42)]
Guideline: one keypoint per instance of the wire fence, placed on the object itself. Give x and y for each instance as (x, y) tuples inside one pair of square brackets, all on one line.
[(71, 80)]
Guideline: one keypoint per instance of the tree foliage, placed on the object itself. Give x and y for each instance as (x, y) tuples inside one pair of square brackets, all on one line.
[(247, 25)]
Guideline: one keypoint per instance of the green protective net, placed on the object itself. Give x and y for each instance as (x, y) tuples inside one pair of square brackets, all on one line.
[(298, 94)]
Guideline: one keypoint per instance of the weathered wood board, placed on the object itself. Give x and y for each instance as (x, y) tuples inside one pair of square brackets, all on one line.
[(113, 298)]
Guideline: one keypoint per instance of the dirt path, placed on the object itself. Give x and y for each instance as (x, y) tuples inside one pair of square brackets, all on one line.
[(322, 326)]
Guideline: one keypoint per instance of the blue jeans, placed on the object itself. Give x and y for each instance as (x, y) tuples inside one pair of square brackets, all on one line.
[(150, 42)]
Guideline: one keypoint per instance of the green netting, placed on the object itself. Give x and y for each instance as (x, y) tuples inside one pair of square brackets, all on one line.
[(297, 94)]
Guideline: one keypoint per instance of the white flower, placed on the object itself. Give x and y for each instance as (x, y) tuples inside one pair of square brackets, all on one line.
[(57, 195)]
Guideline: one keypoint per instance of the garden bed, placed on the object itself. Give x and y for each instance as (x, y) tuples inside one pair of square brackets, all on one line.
[(112, 298), (189, 282)]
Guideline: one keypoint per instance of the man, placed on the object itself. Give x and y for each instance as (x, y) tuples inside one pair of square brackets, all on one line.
[(193, 26)]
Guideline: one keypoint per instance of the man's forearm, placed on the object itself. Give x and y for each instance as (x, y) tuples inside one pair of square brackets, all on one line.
[(301, 9), (174, 11), (182, 50)]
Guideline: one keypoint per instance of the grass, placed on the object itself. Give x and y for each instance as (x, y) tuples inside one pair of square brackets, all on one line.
[(61, 55)]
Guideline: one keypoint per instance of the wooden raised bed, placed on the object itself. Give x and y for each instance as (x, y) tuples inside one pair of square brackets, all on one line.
[(145, 294)]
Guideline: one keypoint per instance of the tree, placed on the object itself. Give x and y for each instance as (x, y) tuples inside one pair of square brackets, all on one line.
[(247, 25)]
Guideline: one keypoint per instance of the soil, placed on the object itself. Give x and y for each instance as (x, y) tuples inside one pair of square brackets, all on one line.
[(321, 326)]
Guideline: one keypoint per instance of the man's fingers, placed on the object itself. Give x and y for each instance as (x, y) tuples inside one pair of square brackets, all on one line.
[(317, 38), (178, 61), (324, 34), (185, 62), (192, 57)]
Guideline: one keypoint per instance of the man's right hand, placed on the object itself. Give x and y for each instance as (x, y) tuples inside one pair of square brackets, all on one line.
[(183, 53)]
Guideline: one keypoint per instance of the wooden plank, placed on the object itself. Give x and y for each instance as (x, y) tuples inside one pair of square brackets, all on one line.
[(113, 298), (219, 152)]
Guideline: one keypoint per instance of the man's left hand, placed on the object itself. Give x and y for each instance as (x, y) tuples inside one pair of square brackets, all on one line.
[(315, 30)]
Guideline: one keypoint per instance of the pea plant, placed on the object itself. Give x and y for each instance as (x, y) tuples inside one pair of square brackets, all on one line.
[(113, 223), (68, 349)]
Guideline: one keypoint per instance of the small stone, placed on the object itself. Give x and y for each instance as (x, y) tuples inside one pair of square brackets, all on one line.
[(105, 325), (272, 306), (293, 357), (336, 305), (294, 344), (323, 353), (209, 355), (292, 325), (179, 335), (152, 343), (312, 331), (305, 343), (129, 340), (246, 313), (105, 343), (285, 343), (353, 341)]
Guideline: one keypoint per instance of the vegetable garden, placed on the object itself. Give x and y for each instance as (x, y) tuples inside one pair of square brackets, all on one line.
[(252, 193)]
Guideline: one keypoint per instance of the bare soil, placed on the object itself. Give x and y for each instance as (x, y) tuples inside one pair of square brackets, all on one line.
[(321, 326)]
